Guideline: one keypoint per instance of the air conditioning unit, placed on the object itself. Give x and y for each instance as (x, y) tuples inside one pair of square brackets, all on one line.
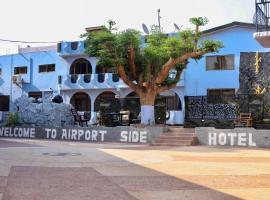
[(17, 79)]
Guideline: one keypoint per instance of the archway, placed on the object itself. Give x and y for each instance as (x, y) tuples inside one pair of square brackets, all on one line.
[(80, 66), (167, 105), (81, 101), (132, 103), (106, 102)]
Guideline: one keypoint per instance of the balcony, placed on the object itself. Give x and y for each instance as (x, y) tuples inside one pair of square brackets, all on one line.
[(262, 19), (98, 81), (92, 81), (70, 48)]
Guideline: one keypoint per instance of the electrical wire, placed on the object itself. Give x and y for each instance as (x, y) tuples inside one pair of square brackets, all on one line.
[(20, 41)]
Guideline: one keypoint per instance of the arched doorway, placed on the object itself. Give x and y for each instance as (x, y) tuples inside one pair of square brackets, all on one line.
[(80, 66), (107, 106), (168, 108), (81, 101), (132, 103), (106, 102)]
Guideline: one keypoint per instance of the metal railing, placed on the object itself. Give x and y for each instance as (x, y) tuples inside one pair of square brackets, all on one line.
[(262, 15)]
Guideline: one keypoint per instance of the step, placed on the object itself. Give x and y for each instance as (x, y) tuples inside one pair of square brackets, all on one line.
[(173, 143), (169, 144), (178, 134), (186, 130), (176, 137)]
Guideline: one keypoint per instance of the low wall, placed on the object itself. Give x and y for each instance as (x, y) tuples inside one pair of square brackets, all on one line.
[(91, 134), (245, 137)]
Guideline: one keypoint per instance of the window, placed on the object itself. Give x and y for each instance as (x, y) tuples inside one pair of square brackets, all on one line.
[(20, 70), (46, 68), (80, 66), (4, 103), (220, 62), (219, 92), (35, 95), (74, 45)]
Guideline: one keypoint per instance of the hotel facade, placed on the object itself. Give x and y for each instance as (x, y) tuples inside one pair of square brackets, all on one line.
[(65, 69)]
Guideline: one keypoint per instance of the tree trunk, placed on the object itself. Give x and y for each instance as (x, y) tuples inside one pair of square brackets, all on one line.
[(147, 100)]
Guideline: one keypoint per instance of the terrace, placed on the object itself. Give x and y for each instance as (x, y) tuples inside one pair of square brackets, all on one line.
[(262, 17)]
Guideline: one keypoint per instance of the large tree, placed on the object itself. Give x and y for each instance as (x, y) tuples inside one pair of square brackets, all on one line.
[(145, 66)]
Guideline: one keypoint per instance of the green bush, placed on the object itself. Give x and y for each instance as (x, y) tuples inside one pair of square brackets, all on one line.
[(13, 119)]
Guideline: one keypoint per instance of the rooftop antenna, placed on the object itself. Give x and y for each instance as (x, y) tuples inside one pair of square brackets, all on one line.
[(145, 29), (177, 27), (159, 17)]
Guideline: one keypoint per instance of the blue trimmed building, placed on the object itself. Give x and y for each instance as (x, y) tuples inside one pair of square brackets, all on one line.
[(66, 69)]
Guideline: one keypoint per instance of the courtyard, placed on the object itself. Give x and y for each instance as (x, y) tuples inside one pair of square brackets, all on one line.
[(40, 169)]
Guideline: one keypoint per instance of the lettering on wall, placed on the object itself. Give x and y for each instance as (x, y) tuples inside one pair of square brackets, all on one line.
[(76, 134), (232, 139), (17, 132), (134, 136)]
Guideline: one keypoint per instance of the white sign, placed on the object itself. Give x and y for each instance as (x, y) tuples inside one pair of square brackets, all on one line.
[(232, 139)]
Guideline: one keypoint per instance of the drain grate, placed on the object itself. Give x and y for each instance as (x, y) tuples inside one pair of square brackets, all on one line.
[(61, 154)]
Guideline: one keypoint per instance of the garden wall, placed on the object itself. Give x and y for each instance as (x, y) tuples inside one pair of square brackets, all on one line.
[(92, 134)]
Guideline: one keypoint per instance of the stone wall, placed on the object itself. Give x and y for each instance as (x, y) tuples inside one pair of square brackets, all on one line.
[(43, 113), (248, 78)]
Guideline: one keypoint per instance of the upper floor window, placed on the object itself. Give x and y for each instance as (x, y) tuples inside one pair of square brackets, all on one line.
[(46, 68), (80, 66), (20, 70), (220, 62), (4, 103)]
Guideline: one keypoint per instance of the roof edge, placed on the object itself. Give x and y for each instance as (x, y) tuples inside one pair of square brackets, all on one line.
[(229, 25)]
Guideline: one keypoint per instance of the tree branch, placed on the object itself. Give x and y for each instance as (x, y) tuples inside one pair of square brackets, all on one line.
[(121, 72), (131, 60), (176, 80), (172, 62)]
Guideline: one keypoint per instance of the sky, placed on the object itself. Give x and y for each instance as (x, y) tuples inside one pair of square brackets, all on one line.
[(60, 20)]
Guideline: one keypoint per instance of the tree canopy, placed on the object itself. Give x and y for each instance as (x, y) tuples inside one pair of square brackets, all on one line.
[(144, 62), (149, 62)]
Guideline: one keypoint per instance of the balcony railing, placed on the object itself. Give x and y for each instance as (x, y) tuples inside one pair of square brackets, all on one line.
[(262, 16), (70, 48), (102, 80)]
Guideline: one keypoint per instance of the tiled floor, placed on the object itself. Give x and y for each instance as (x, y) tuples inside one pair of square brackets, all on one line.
[(67, 170)]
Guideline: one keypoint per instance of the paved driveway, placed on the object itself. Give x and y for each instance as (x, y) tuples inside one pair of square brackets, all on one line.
[(37, 170)]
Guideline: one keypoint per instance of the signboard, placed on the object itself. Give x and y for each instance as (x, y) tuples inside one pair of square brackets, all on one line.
[(93, 134), (242, 137)]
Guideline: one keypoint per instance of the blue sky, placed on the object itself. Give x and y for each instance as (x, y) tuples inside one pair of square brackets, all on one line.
[(55, 20)]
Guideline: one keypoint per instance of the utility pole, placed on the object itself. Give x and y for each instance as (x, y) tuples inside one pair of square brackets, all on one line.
[(159, 17)]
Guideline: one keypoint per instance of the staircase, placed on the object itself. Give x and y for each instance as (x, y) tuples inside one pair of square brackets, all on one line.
[(176, 136)]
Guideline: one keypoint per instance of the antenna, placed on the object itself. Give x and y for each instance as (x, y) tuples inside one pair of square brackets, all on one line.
[(145, 29), (159, 17), (177, 27)]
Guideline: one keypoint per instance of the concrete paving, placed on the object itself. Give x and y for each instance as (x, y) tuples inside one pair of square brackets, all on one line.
[(39, 169)]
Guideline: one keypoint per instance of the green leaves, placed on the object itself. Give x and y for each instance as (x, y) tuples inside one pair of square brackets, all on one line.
[(211, 46), (199, 21), (149, 59)]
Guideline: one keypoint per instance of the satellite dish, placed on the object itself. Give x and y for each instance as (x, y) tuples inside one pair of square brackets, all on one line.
[(145, 29), (177, 27)]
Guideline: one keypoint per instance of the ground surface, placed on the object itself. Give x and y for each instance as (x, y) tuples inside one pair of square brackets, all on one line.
[(53, 170)]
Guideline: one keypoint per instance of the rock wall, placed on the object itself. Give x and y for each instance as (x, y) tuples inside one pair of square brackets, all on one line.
[(249, 79), (43, 113)]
